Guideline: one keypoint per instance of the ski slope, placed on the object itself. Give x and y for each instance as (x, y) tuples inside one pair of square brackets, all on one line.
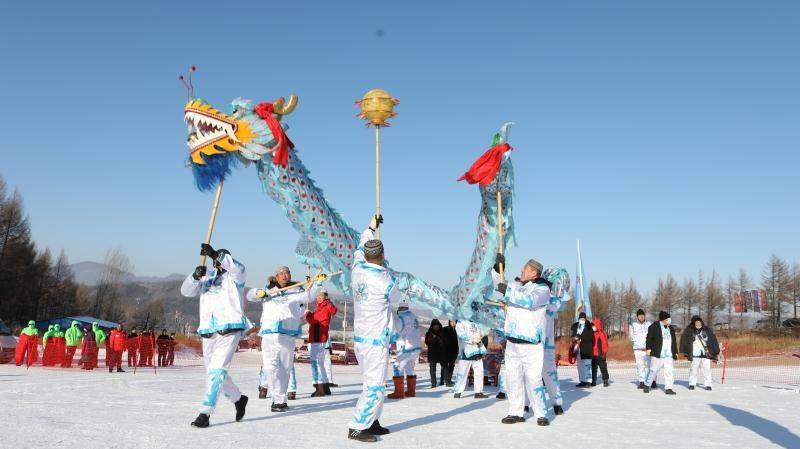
[(74, 408)]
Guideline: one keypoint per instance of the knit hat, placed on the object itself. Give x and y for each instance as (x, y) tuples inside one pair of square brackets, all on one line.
[(373, 248), (281, 269), (662, 316), (582, 315), (536, 265), (640, 312)]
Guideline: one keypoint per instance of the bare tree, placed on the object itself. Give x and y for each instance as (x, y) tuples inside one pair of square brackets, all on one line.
[(690, 296), (666, 294), (713, 298), (794, 289), (108, 291), (776, 280)]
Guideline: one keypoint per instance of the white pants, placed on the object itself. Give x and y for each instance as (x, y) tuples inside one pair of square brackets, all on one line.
[(584, 369), (550, 376), (277, 352), (328, 365), (292, 379), (217, 356), (697, 363), (405, 363), (642, 364), (462, 374), (373, 361), (318, 373), (657, 364), (524, 378), (501, 379)]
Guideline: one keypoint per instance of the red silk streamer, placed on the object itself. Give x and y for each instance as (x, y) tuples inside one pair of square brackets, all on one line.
[(485, 168), (281, 154)]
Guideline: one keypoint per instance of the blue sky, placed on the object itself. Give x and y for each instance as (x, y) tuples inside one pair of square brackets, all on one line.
[(663, 135)]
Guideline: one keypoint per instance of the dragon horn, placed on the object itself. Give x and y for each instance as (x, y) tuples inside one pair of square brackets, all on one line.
[(281, 108)]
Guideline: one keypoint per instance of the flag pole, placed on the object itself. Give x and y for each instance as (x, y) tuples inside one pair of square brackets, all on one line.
[(378, 176)]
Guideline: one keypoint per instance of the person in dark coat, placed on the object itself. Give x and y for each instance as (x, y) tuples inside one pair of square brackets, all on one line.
[(662, 347), (434, 340), (583, 345), (450, 352), (700, 346)]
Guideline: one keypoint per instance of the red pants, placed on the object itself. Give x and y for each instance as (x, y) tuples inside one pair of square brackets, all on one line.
[(69, 357), (29, 346), (132, 351), (114, 359), (171, 357), (48, 354)]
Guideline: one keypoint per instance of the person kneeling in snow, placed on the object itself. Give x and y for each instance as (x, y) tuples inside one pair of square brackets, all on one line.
[(662, 347), (470, 355), (526, 299), (222, 324), (374, 292), (700, 346), (408, 347)]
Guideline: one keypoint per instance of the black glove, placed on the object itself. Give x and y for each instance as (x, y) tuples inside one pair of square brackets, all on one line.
[(199, 272), (377, 221), (499, 259), (501, 287), (207, 250)]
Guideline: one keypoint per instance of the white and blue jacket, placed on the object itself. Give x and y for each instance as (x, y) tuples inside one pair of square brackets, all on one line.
[(469, 340), (638, 334), (284, 311), (374, 292), (407, 335), (526, 310), (221, 305), (550, 316)]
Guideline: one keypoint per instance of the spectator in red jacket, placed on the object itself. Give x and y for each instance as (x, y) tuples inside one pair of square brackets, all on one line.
[(319, 321), (117, 343), (162, 344), (600, 351), (133, 347)]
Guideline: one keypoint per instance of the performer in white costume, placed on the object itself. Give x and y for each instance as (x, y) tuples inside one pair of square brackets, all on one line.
[(408, 346), (374, 292), (222, 324), (281, 324), (638, 335), (526, 299), (550, 370), (470, 355)]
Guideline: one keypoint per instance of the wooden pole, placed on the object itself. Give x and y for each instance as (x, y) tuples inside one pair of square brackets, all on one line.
[(377, 176), (213, 219)]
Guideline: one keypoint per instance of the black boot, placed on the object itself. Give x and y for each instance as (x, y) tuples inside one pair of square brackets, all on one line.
[(542, 422), (481, 396), (512, 419), (653, 385), (558, 410), (669, 392), (501, 396), (457, 395), (262, 392), (361, 435), (691, 387), (319, 390), (201, 421), (327, 389), (527, 409), (377, 429), (332, 385), (110, 370), (241, 404), (119, 370), (605, 383), (646, 389)]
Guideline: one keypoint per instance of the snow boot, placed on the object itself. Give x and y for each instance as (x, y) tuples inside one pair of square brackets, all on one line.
[(641, 385), (377, 429), (481, 395), (119, 370), (691, 387), (361, 435), (669, 392), (411, 386), (319, 390), (646, 389), (279, 408), (332, 385), (398, 388), (512, 419), (201, 421), (457, 395), (583, 385), (558, 410), (240, 405), (291, 395), (110, 370), (327, 389), (501, 396), (527, 409), (542, 422), (653, 385), (708, 388), (262, 392), (605, 383)]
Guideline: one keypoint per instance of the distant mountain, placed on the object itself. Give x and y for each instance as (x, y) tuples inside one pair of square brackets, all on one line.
[(89, 273)]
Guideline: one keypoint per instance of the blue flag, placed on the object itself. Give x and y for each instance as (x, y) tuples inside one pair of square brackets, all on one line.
[(582, 303)]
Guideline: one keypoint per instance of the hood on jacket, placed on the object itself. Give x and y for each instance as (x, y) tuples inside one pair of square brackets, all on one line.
[(57, 327), (31, 323), (697, 318), (598, 324), (49, 328), (74, 324), (95, 325), (435, 321)]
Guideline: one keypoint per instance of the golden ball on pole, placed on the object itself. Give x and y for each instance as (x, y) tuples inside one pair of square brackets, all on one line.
[(377, 106)]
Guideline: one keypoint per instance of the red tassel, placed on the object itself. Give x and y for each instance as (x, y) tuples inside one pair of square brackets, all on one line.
[(281, 154), (485, 168)]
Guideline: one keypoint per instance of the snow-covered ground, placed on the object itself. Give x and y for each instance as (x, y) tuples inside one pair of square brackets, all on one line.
[(47, 408)]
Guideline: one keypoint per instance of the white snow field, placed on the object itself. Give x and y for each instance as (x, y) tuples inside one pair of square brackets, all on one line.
[(53, 407)]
